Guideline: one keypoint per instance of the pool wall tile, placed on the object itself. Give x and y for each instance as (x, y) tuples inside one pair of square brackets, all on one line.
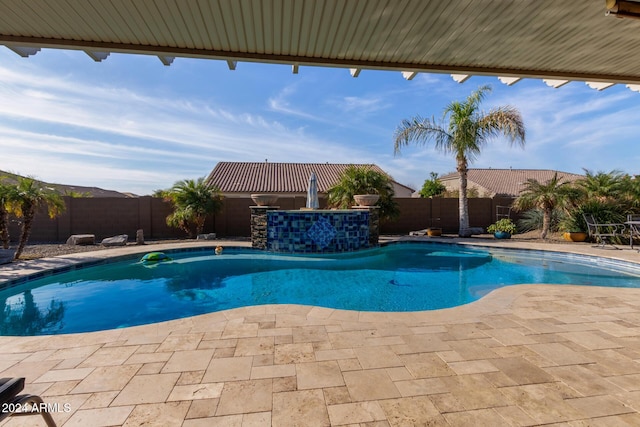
[(317, 231)]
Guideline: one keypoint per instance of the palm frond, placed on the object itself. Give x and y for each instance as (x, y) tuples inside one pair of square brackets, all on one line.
[(418, 130), (506, 121)]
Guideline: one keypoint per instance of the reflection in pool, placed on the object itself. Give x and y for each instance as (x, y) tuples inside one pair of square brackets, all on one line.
[(397, 277)]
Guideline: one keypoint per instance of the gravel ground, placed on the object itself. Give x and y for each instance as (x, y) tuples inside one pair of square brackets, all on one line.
[(45, 250)]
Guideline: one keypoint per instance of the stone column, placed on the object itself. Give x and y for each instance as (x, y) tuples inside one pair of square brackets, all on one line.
[(259, 225), (374, 223)]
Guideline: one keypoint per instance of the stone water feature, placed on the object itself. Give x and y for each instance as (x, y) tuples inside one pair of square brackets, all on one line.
[(314, 230)]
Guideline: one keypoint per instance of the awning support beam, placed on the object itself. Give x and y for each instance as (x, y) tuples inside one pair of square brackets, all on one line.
[(460, 78), (24, 51), (166, 60), (97, 56)]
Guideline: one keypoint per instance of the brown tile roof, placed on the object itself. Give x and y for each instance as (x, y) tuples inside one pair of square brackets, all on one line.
[(509, 182), (267, 177)]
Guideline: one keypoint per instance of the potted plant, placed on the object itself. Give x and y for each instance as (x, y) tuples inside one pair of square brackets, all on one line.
[(264, 199), (366, 199), (434, 231), (502, 229), (574, 226)]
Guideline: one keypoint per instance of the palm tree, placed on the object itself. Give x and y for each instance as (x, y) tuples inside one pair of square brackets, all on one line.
[(604, 186), (468, 130), (363, 180), (547, 197), (193, 200), (6, 193), (631, 186), (27, 198)]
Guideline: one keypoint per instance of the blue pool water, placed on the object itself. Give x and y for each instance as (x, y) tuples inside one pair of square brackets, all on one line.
[(397, 277)]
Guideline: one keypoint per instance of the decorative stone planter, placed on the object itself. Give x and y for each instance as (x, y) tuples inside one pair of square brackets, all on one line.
[(366, 199), (575, 236), (264, 199), (434, 231)]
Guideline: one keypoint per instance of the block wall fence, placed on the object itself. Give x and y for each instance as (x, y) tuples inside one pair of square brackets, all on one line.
[(107, 217)]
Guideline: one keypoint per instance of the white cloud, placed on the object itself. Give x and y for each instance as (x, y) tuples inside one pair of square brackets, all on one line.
[(132, 140), (359, 104), (280, 103)]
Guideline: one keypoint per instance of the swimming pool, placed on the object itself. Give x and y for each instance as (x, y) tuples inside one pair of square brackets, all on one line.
[(396, 277)]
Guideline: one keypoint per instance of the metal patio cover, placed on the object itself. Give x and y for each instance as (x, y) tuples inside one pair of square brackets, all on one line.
[(562, 40)]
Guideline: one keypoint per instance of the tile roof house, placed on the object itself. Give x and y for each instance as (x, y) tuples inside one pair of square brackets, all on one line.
[(503, 182), (241, 179)]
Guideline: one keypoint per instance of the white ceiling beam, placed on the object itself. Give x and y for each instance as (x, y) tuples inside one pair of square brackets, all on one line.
[(166, 60), (409, 75), (635, 88), (509, 80), (294, 68), (555, 83), (24, 51), (97, 56), (460, 78), (599, 85), (232, 64), (355, 72)]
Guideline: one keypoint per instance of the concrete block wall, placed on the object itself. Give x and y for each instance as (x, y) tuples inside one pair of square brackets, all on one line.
[(107, 217)]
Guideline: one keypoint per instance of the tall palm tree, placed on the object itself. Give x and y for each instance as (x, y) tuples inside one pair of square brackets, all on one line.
[(464, 131), (363, 180), (547, 197), (27, 198), (193, 200)]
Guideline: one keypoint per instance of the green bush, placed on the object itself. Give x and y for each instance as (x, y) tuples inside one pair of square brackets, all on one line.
[(604, 212), (505, 225), (532, 220)]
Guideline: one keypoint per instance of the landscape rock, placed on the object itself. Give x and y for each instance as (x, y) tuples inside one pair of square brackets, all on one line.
[(81, 239), (209, 236), (6, 255), (476, 230), (140, 237), (119, 240)]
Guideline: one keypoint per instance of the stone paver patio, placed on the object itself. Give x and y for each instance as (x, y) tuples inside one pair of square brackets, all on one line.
[(523, 355)]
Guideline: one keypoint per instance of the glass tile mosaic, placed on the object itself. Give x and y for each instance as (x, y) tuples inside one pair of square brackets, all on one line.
[(317, 231), (322, 232)]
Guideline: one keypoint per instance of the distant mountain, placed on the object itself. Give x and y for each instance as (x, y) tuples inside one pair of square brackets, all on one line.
[(68, 190)]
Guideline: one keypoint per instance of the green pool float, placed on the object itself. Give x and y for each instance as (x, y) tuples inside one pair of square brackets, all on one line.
[(155, 257)]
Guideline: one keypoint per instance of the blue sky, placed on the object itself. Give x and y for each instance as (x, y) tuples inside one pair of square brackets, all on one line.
[(131, 124)]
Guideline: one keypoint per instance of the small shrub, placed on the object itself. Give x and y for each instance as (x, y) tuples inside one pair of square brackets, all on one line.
[(531, 220), (505, 225)]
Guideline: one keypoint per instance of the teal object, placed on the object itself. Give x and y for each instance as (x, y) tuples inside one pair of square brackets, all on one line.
[(155, 257)]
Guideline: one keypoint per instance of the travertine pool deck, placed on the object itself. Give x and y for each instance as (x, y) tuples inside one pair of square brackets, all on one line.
[(523, 355)]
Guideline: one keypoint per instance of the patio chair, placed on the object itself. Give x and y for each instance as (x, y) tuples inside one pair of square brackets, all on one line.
[(14, 404), (601, 232), (633, 221)]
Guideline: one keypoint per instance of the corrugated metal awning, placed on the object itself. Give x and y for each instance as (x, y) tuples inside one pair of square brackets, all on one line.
[(560, 41)]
